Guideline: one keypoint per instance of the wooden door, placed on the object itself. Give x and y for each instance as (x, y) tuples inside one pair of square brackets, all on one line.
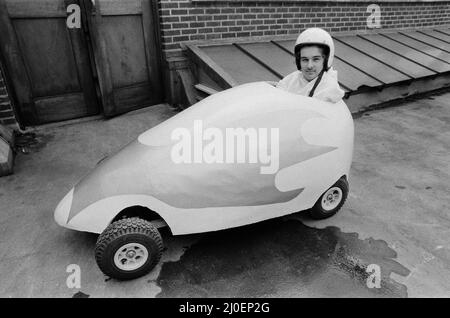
[(48, 63), (127, 53)]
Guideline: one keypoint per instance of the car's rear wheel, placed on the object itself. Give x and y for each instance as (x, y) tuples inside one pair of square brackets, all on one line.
[(331, 201), (128, 248)]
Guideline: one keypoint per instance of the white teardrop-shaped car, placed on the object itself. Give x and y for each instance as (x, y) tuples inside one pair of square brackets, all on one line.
[(244, 155)]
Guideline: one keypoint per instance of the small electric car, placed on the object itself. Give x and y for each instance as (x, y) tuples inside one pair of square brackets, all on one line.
[(244, 155)]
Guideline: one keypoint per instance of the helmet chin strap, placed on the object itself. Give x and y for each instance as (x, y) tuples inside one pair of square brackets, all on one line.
[(311, 93)]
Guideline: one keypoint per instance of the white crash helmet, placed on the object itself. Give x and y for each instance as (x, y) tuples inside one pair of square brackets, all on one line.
[(315, 36)]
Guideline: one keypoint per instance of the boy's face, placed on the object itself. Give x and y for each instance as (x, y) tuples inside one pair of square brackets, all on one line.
[(311, 61)]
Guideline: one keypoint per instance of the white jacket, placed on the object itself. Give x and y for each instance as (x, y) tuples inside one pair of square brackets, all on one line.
[(328, 89)]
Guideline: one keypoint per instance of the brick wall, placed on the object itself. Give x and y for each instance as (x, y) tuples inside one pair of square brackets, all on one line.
[(187, 20), (6, 112)]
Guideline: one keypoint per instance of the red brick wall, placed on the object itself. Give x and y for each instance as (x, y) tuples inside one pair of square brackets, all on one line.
[(6, 112), (186, 20)]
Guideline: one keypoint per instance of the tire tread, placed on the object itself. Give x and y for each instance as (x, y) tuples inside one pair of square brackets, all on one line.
[(123, 227)]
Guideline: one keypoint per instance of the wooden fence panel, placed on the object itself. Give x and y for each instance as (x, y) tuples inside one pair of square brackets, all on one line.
[(47, 62)]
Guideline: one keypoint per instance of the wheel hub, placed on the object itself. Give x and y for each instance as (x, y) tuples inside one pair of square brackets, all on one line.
[(331, 198), (131, 256)]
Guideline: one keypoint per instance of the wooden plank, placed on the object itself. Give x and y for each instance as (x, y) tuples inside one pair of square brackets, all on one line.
[(428, 40), (368, 65), (47, 53), (120, 7), (443, 30), (259, 61), (188, 85), (241, 67), (216, 72), (13, 62), (288, 45), (84, 70), (395, 61), (273, 56), (55, 63), (204, 78), (61, 107), (125, 52), (102, 62), (371, 99), (86, 13), (150, 26), (125, 46), (438, 35), (36, 9), (420, 46), (206, 89), (133, 97), (407, 52), (351, 77)]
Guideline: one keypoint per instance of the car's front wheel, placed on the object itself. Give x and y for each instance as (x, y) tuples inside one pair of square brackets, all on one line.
[(128, 249)]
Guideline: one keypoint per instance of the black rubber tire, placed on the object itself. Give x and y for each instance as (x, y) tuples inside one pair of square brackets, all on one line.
[(119, 233), (318, 213)]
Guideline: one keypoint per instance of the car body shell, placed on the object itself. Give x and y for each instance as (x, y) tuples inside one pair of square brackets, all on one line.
[(315, 148)]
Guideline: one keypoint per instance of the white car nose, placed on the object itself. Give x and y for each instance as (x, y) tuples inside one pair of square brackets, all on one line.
[(63, 209)]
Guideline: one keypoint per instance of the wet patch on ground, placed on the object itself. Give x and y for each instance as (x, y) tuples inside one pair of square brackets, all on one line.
[(31, 142), (283, 258)]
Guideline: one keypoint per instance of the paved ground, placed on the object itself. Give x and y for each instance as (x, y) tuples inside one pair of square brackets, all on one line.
[(397, 217)]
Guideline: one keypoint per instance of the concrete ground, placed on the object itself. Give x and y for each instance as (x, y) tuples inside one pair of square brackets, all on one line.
[(396, 219)]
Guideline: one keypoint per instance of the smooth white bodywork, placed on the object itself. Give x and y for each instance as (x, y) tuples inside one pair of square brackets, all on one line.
[(316, 147)]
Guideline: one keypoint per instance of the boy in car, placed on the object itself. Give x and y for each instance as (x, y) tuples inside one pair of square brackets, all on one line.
[(314, 53)]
